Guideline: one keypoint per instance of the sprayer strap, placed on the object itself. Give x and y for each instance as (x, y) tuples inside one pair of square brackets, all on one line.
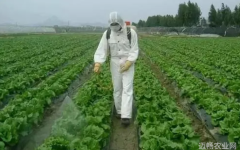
[(129, 35)]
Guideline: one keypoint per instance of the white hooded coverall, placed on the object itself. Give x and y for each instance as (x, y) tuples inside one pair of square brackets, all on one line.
[(120, 51)]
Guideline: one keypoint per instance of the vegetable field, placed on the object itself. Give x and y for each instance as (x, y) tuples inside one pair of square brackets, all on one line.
[(186, 93)]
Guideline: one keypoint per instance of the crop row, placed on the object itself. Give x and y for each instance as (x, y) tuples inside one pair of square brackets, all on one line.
[(163, 125), (220, 54), (26, 109), (20, 51), (33, 62), (218, 78), (224, 111), (85, 125), (19, 82), (33, 46)]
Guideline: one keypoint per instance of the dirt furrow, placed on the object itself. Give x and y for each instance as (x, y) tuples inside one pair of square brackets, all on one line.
[(124, 138)]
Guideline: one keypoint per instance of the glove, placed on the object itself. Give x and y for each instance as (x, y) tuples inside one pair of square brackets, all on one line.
[(97, 67), (126, 66)]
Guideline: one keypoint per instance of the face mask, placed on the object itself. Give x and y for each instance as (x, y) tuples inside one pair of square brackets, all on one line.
[(115, 28)]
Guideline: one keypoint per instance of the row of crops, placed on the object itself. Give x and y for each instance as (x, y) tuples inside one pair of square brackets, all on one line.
[(28, 90), (88, 126), (206, 73), (162, 124), (36, 69)]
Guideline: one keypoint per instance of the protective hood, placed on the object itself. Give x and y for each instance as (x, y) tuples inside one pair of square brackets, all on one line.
[(114, 17)]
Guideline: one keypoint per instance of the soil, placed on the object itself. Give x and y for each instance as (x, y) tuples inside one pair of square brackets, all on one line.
[(41, 132), (197, 124), (124, 138)]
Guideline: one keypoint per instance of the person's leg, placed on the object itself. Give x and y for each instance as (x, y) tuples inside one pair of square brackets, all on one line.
[(117, 86), (127, 95)]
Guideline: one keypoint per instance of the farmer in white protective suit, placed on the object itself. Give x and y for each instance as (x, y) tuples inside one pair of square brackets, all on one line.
[(123, 53)]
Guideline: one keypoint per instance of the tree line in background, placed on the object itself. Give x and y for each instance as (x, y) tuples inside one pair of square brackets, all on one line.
[(224, 16), (189, 14)]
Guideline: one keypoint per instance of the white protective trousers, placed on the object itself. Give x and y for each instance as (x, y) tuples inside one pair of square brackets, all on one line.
[(123, 88), (120, 50)]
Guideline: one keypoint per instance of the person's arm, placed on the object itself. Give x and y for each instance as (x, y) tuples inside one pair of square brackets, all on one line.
[(101, 53), (133, 54)]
